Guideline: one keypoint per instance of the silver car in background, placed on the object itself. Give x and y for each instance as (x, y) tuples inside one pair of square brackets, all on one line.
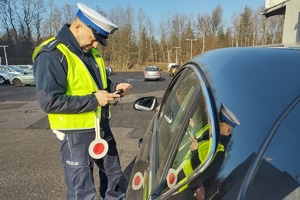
[(4, 77), (26, 78), (11, 69), (152, 72)]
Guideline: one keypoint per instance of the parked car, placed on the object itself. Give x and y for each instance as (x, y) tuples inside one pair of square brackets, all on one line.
[(152, 72), (10, 69), (173, 70), (4, 77), (26, 78), (23, 67), (261, 86)]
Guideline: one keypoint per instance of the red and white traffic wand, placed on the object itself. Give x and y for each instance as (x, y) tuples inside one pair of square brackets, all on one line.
[(98, 147)]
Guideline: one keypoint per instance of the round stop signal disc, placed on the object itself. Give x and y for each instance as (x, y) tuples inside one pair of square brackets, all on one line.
[(137, 181), (171, 178), (98, 148)]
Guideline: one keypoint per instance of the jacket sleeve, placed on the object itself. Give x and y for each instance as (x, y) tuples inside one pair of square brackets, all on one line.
[(51, 84), (111, 86)]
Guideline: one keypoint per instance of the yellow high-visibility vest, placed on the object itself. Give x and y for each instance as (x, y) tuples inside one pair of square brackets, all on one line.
[(203, 149), (79, 83)]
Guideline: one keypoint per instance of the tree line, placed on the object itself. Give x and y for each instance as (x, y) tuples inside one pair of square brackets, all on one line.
[(138, 41)]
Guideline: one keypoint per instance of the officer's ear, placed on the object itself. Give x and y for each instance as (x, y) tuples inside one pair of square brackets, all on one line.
[(77, 25)]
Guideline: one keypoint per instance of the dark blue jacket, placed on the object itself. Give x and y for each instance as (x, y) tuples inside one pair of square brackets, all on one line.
[(50, 73)]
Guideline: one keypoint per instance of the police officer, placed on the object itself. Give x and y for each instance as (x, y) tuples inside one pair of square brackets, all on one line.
[(227, 122), (199, 150), (72, 87), (198, 153)]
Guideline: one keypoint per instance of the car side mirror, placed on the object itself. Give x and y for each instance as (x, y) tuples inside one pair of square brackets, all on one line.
[(145, 103)]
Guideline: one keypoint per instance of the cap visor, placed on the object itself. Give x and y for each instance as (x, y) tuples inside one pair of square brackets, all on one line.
[(98, 37)]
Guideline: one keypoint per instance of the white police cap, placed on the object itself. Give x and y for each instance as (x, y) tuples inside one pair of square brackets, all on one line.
[(227, 116), (100, 26)]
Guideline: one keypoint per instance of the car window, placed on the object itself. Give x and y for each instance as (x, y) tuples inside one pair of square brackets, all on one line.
[(198, 127), (3, 69), (174, 116), (278, 175), (186, 161), (152, 68)]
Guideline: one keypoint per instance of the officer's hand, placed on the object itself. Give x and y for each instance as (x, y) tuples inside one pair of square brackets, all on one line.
[(193, 142), (125, 87), (103, 97)]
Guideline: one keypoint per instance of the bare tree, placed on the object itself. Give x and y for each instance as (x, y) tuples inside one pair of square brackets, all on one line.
[(24, 23), (142, 37), (203, 27), (121, 48), (5, 18), (52, 22), (177, 26), (39, 10), (216, 20), (69, 12), (164, 35), (9, 7)]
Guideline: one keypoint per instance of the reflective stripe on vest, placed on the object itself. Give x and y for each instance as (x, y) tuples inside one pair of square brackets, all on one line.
[(203, 149), (80, 83)]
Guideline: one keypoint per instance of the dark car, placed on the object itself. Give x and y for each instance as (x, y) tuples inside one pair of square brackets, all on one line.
[(261, 86)]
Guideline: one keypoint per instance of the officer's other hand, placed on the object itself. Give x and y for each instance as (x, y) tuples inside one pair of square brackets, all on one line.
[(103, 97), (125, 87), (193, 142)]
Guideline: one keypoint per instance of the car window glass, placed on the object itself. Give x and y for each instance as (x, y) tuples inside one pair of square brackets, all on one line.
[(3, 69), (152, 68), (199, 128), (174, 115), (185, 161), (278, 176)]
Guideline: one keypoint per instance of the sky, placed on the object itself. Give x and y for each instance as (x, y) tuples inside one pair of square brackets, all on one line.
[(156, 9)]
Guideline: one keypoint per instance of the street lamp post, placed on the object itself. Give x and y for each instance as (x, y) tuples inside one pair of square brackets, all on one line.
[(191, 45), (4, 46), (168, 51), (176, 53)]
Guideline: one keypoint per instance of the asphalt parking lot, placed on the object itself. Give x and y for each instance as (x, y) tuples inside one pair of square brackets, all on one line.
[(30, 160)]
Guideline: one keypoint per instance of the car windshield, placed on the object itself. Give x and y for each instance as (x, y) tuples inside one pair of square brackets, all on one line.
[(10, 68), (174, 118), (152, 68)]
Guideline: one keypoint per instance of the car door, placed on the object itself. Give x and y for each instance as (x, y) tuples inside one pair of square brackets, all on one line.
[(187, 98), (274, 171), (277, 175)]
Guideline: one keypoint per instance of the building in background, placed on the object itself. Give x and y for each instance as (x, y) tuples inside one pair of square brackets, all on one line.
[(291, 10)]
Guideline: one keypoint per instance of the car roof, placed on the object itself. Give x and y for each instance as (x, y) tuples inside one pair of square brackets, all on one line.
[(251, 72), (256, 83)]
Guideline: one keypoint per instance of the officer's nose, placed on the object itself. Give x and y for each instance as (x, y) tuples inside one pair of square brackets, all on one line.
[(95, 44)]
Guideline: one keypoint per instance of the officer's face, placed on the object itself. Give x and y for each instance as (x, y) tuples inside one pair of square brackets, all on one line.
[(86, 39), (93, 44), (225, 129), (90, 41)]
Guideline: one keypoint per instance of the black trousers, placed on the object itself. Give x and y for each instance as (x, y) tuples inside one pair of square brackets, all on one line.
[(78, 166)]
